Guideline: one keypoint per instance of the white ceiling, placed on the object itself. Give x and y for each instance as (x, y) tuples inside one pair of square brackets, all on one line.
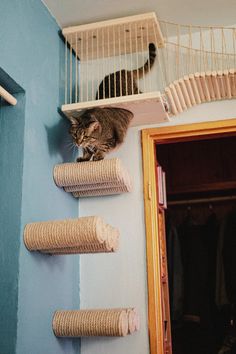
[(200, 12)]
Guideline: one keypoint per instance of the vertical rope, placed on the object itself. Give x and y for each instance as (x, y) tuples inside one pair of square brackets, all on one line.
[(66, 74), (149, 68), (76, 67), (103, 61), (167, 70), (131, 58), (108, 55), (201, 48), (114, 55), (234, 36), (222, 48), (126, 81), (212, 56), (189, 50), (121, 93), (97, 42), (82, 68), (225, 48), (142, 31), (71, 69), (92, 66), (87, 75), (178, 58), (164, 83), (136, 47)]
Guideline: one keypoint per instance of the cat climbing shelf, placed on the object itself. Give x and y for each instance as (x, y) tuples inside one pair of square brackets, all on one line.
[(71, 236), (93, 51), (93, 178), (116, 322)]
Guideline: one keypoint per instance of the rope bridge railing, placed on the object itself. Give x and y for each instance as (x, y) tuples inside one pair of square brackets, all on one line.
[(197, 64)]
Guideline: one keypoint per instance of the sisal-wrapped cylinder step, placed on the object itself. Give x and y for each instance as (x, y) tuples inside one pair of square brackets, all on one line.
[(99, 322), (83, 235), (92, 178)]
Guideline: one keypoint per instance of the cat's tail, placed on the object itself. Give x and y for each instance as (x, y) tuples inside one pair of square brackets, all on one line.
[(138, 73)]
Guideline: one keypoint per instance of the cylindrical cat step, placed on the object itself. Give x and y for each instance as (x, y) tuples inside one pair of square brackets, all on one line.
[(99, 322), (91, 178), (83, 235)]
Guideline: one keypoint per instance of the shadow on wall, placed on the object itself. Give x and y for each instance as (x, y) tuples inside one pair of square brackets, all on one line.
[(60, 141)]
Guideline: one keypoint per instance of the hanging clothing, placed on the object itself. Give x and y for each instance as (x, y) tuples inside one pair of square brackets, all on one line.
[(221, 295), (175, 272), (229, 257)]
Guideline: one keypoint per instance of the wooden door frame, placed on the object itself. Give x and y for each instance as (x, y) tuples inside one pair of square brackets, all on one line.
[(150, 138)]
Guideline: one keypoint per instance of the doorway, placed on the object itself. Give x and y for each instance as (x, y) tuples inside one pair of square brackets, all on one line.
[(155, 216)]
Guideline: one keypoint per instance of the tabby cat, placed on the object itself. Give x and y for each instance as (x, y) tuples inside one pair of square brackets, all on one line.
[(99, 130), (124, 82)]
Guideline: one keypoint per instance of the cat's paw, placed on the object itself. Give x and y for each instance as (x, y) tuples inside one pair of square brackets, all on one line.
[(81, 159), (98, 158)]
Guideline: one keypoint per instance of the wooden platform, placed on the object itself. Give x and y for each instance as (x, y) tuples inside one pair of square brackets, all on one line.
[(114, 37), (148, 108)]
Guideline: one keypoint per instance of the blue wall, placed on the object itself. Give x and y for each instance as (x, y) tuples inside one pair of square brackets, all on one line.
[(32, 54), (11, 167)]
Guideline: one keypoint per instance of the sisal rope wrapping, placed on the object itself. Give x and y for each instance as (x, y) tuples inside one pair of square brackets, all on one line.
[(101, 192), (82, 235), (80, 323), (100, 177)]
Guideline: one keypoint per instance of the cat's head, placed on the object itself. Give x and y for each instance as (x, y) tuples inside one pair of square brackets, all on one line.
[(84, 129)]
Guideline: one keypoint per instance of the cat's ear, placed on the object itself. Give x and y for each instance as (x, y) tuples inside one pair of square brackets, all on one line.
[(73, 120), (94, 126)]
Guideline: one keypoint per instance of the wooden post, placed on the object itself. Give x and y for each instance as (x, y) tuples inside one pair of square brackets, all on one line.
[(189, 89), (195, 88), (185, 93), (7, 96), (227, 83), (204, 86), (180, 95), (221, 83), (215, 85), (171, 100), (199, 86), (176, 98)]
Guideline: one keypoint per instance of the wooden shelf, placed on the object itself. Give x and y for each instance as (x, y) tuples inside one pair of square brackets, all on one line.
[(204, 188), (148, 108), (114, 37)]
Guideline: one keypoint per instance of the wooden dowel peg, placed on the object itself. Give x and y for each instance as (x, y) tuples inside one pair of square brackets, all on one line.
[(195, 89), (204, 86), (189, 89), (176, 98), (232, 82), (199, 86), (171, 101), (180, 95), (215, 85), (210, 85), (185, 93), (227, 84), (7, 96), (221, 83)]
